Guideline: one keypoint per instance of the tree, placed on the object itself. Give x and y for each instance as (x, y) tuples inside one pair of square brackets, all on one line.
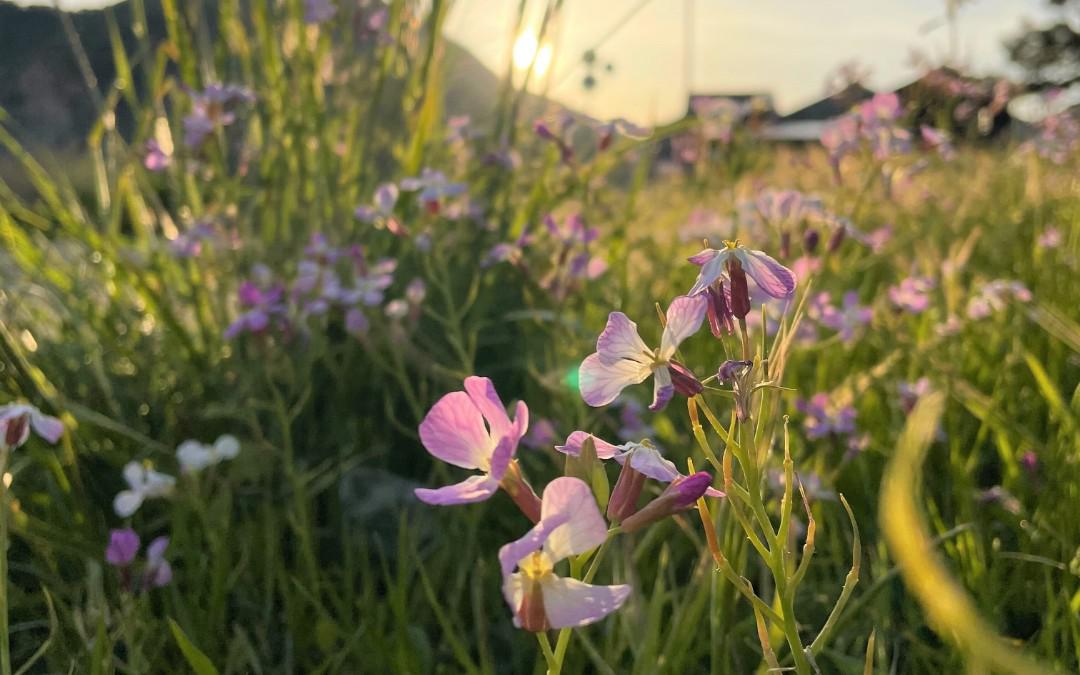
[(1050, 55)]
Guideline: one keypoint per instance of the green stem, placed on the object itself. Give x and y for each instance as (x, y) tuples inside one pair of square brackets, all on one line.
[(545, 648)]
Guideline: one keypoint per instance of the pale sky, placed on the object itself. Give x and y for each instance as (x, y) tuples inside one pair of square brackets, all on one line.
[(785, 47)]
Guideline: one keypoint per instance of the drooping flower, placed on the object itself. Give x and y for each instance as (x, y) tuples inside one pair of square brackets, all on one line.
[(194, 456), (123, 547), (570, 524), (143, 483), (771, 277), (623, 359), (454, 431), (17, 419)]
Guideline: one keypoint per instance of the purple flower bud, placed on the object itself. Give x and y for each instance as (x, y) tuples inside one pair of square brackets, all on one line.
[(740, 290), (123, 546), (624, 497), (729, 370), (543, 131), (837, 238), (684, 380), (719, 312), (810, 241), (680, 494)]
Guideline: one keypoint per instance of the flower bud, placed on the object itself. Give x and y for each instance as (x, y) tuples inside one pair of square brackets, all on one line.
[(720, 318), (730, 369), (15, 430), (740, 290), (684, 380), (785, 244), (810, 241), (837, 238), (680, 494), (624, 497), (543, 131)]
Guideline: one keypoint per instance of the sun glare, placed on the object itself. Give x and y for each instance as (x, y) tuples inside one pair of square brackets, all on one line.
[(528, 51)]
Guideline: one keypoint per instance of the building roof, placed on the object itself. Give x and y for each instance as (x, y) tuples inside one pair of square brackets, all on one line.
[(831, 106)]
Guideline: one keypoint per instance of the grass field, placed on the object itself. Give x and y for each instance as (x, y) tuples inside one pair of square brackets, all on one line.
[(294, 257)]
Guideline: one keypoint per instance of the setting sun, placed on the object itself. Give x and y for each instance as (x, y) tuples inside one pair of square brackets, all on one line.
[(528, 51)]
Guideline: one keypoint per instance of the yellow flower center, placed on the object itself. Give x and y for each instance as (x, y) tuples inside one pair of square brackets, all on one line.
[(536, 566)]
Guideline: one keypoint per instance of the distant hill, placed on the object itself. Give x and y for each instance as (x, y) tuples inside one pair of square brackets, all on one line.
[(45, 94)]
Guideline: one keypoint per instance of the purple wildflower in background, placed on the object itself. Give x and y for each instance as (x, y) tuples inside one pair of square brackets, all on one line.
[(824, 417), (18, 419), (840, 139), (623, 359), (189, 244), (123, 547), (938, 140), (211, 109), (1057, 137), (511, 252), (994, 297), (911, 392), (158, 571), (261, 307), (454, 431), (1050, 238), (157, 158), (432, 188), (143, 483), (318, 11), (570, 524), (846, 319), (541, 434), (381, 210), (633, 425), (912, 294)]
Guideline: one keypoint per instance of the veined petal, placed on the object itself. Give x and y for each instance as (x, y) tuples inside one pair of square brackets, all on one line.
[(600, 383), (569, 603), (453, 430), (649, 461), (574, 441), (46, 426), (772, 277), (521, 420), (620, 340), (663, 389), (585, 528), (487, 401), (503, 453), (472, 489), (712, 266), (684, 317)]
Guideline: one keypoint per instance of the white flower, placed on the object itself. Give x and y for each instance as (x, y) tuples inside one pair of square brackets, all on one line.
[(195, 456), (143, 483)]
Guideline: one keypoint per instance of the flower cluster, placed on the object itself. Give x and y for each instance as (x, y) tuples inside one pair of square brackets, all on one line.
[(828, 418), (329, 281), (121, 552), (1057, 137), (912, 294), (994, 297)]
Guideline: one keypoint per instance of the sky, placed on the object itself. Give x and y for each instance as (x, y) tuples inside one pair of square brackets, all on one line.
[(787, 48)]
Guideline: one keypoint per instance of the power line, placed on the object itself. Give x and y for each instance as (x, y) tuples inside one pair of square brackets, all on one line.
[(600, 43)]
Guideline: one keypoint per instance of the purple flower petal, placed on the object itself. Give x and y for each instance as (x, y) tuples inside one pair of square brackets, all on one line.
[(585, 528), (570, 603), (123, 546), (453, 430), (684, 317), (511, 554), (482, 392), (574, 441), (663, 389), (472, 489), (600, 383), (770, 276), (620, 340)]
